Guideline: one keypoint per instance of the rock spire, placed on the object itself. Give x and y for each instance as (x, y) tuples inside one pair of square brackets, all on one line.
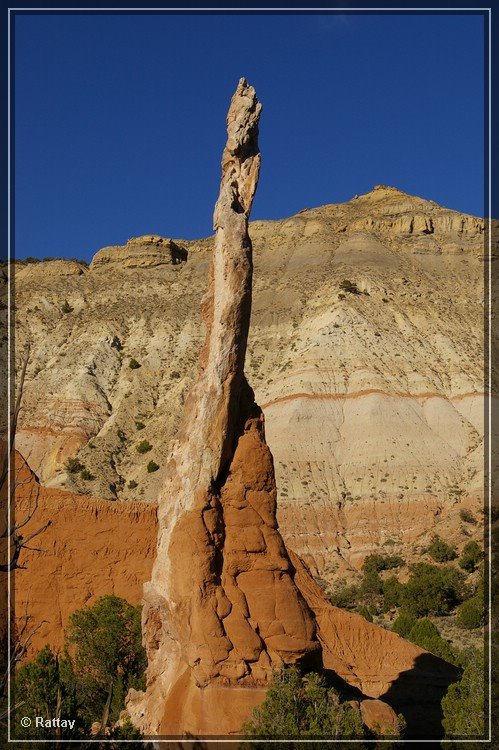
[(222, 608)]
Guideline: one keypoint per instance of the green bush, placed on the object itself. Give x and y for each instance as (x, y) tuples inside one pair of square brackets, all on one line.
[(41, 686), (346, 597), (440, 551), (73, 465), (392, 593), (132, 484), (144, 446), (433, 590), (464, 705), (377, 562), (404, 623), (133, 364), (66, 307), (299, 707), (425, 634), (371, 584), (365, 614), (105, 642), (102, 659), (152, 466), (470, 557), (86, 475), (349, 286), (471, 614), (175, 375), (467, 516), (139, 425)]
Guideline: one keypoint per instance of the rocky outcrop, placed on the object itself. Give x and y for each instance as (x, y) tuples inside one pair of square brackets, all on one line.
[(222, 608), (148, 251), (53, 268)]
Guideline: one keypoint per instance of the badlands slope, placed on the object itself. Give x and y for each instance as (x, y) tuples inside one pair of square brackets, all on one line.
[(373, 400)]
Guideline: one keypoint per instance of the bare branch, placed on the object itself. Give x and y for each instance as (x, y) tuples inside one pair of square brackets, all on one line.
[(12, 528)]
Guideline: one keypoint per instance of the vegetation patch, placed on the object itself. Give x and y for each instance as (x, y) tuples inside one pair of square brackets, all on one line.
[(301, 707), (73, 465), (440, 551), (89, 679), (349, 286)]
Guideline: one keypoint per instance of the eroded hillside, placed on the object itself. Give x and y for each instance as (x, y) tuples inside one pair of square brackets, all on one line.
[(365, 352)]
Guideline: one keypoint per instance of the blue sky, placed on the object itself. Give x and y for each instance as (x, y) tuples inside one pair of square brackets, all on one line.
[(120, 119)]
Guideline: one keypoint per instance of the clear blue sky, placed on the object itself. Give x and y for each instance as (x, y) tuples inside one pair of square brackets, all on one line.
[(120, 119)]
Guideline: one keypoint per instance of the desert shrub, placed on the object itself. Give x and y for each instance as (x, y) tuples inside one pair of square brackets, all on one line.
[(349, 286), (365, 614), (433, 590), (121, 435), (425, 634), (464, 704), (392, 593), (371, 584), (132, 484), (466, 516), (302, 707), (144, 446), (471, 614), (404, 623), (345, 597), (152, 466), (133, 364), (139, 425), (31, 259), (86, 475), (470, 557), (73, 465), (440, 551), (66, 307), (175, 375), (379, 562)]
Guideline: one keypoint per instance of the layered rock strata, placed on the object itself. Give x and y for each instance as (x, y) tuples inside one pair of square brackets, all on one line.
[(382, 445), (221, 608)]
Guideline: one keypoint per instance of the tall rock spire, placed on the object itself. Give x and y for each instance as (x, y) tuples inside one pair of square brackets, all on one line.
[(222, 608)]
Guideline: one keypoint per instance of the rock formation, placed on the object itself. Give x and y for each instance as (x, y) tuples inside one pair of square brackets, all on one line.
[(141, 252), (222, 608), (87, 552), (382, 445)]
